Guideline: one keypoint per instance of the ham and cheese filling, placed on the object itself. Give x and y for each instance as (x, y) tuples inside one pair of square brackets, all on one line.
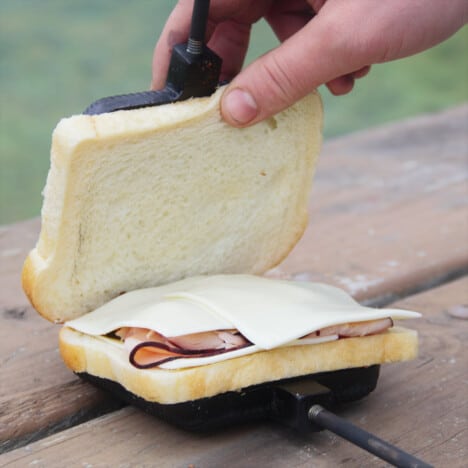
[(148, 348), (207, 319)]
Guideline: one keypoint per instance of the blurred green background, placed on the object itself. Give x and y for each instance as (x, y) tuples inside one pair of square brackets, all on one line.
[(57, 56)]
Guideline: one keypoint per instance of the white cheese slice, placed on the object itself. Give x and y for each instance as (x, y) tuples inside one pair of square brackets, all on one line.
[(268, 312), (168, 317)]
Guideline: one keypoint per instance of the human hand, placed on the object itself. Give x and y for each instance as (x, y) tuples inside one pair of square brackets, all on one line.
[(330, 42)]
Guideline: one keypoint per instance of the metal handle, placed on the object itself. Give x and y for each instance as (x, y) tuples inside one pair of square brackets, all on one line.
[(198, 27), (364, 439)]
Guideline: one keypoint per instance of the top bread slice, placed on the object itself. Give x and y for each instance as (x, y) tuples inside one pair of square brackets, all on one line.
[(144, 197)]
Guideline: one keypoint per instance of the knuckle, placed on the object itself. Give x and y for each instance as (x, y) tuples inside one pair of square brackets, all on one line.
[(278, 80)]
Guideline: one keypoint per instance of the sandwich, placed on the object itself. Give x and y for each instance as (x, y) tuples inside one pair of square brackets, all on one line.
[(207, 335), (157, 225)]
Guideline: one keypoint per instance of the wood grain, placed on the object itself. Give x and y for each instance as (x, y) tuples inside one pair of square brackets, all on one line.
[(36, 413), (388, 214), (420, 406)]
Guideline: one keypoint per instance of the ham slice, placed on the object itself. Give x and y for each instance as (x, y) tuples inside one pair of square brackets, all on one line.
[(149, 349), (346, 330), (219, 339)]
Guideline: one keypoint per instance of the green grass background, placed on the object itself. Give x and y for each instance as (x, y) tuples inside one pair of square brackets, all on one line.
[(57, 56)]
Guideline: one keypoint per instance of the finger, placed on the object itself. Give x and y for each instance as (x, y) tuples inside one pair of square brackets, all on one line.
[(362, 72), (175, 31), (287, 18), (316, 4), (230, 40), (344, 84), (341, 85)]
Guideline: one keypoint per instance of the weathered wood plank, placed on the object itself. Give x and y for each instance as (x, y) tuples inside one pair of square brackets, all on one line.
[(37, 392), (36, 413), (421, 406), (389, 208), (388, 212)]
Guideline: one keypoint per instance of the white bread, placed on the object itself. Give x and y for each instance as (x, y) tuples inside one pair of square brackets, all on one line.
[(87, 354), (139, 198)]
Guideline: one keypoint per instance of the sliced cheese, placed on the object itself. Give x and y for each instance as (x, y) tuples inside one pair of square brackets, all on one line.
[(268, 312)]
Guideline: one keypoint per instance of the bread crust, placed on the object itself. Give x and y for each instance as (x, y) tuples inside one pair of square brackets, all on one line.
[(84, 353), (29, 280)]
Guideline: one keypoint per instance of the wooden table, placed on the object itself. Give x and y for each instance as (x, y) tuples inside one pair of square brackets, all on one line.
[(388, 223)]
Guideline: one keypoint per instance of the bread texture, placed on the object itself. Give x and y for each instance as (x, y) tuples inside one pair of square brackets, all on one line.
[(145, 197), (101, 358)]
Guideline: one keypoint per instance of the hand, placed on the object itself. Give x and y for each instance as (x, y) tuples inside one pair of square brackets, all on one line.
[(330, 42)]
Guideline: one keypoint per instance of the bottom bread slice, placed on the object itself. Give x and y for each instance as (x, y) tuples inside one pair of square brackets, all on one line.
[(101, 358)]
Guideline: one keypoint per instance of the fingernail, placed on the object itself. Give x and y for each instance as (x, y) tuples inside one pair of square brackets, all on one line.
[(240, 106)]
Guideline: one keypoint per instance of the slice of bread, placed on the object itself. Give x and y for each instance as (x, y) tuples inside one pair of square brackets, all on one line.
[(140, 198), (102, 358)]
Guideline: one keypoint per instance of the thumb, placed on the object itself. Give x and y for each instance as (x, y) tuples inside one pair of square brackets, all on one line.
[(313, 56)]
